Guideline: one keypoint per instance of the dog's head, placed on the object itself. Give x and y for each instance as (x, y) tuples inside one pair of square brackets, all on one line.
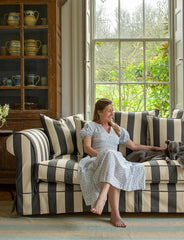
[(173, 148)]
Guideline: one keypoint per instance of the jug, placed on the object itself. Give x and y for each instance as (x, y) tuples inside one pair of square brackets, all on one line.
[(13, 18), (13, 47), (32, 47), (30, 17)]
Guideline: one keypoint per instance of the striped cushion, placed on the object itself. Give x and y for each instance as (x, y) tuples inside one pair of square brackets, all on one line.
[(61, 134), (79, 125), (136, 125), (63, 169), (177, 113), (162, 129)]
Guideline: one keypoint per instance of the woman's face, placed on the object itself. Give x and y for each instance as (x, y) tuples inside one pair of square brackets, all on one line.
[(106, 114)]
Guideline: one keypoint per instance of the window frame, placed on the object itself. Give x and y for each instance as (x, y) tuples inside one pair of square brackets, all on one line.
[(170, 40)]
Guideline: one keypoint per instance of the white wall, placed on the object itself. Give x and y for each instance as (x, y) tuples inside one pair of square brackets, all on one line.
[(72, 58)]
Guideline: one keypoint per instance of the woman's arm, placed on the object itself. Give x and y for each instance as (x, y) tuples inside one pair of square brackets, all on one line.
[(135, 147), (87, 147)]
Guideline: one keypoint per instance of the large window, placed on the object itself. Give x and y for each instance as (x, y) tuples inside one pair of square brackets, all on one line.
[(131, 49)]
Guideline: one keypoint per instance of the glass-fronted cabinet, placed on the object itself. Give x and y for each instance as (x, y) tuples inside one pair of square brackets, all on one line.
[(30, 68), (30, 60)]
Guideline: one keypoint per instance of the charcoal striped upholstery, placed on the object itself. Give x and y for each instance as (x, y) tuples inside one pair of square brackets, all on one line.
[(63, 169), (30, 146), (164, 190), (159, 171), (61, 134), (177, 113), (136, 125), (79, 125), (162, 129), (57, 198)]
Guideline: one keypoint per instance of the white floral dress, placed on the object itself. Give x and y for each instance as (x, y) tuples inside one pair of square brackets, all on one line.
[(109, 165)]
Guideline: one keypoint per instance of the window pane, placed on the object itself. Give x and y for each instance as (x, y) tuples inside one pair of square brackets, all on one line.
[(157, 66), (158, 97), (106, 17), (132, 64), (110, 91), (106, 62), (132, 97), (156, 18), (131, 19)]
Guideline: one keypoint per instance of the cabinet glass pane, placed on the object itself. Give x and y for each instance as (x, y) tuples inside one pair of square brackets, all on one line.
[(38, 68), (36, 99), (10, 72), (10, 15), (35, 14), (11, 97)]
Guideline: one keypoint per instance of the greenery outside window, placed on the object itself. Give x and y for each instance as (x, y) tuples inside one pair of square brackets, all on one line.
[(131, 49)]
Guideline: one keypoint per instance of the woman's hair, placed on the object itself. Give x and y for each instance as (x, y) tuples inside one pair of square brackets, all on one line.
[(100, 105)]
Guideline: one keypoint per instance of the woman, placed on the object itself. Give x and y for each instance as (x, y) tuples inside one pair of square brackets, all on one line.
[(104, 172)]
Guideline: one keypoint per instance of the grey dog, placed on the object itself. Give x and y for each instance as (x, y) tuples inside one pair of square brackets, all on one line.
[(174, 151)]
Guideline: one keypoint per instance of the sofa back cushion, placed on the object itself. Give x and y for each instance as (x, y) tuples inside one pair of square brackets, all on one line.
[(162, 129), (79, 125), (61, 134), (136, 124), (178, 113)]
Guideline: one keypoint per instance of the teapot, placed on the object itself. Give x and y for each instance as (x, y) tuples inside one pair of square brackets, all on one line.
[(32, 46), (30, 17), (13, 18)]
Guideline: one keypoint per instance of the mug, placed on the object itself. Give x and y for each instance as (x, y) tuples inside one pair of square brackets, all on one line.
[(16, 80), (4, 81), (3, 51), (32, 79), (44, 81), (44, 49), (9, 82)]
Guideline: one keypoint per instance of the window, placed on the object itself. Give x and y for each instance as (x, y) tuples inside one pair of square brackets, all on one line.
[(131, 51)]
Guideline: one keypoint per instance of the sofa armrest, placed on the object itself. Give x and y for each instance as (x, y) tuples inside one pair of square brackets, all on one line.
[(29, 146)]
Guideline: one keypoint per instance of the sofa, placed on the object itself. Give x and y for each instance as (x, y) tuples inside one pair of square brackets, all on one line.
[(47, 165)]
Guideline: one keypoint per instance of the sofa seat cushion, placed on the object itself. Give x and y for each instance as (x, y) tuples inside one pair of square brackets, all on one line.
[(63, 169), (159, 171)]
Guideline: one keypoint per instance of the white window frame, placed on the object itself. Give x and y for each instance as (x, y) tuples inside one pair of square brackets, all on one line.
[(91, 88)]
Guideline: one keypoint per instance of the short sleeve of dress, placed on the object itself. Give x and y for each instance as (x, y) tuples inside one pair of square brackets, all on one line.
[(124, 136), (87, 130)]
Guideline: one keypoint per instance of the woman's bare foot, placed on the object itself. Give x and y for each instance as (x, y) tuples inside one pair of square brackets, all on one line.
[(117, 221), (98, 206)]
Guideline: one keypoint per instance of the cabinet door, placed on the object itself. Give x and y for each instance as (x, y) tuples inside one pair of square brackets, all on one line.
[(24, 57)]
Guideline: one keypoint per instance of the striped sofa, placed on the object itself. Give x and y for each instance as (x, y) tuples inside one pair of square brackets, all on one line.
[(47, 166)]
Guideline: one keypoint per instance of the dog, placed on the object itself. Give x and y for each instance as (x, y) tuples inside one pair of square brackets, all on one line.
[(174, 151)]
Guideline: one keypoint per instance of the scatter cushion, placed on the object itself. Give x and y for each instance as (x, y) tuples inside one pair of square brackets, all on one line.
[(136, 125), (79, 125), (178, 113), (61, 134), (162, 129), (62, 169)]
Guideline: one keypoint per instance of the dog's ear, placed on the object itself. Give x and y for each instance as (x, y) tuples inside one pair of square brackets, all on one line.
[(167, 142)]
